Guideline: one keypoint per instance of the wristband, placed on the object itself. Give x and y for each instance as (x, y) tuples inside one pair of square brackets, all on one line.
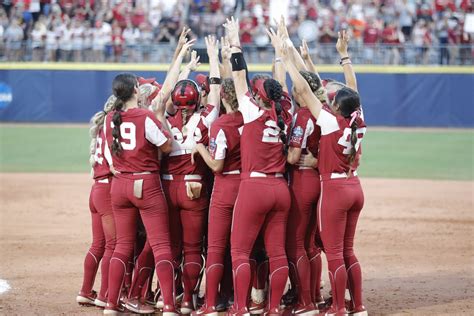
[(215, 80), (346, 63), (236, 46), (342, 59), (238, 62), (278, 59)]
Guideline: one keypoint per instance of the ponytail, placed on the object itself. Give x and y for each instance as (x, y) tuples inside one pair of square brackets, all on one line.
[(117, 120), (96, 122), (352, 154), (123, 86), (274, 92)]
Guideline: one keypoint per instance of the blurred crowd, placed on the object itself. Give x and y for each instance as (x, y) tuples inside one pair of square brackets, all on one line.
[(384, 31)]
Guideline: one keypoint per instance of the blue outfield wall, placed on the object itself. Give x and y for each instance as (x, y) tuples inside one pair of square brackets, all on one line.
[(426, 99)]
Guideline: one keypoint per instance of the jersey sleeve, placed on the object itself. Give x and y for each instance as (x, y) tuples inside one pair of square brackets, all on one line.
[(250, 111), (217, 143), (302, 129), (328, 122), (153, 131), (209, 114)]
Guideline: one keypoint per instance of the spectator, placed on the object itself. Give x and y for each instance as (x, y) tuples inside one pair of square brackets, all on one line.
[(52, 37), (391, 37), (422, 41), (131, 35), (13, 38), (371, 38), (65, 42), (38, 36), (407, 12), (77, 40), (443, 38)]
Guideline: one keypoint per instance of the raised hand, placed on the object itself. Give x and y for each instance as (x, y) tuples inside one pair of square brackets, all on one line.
[(158, 104), (186, 47), (304, 50), (225, 48), (232, 29), (281, 28), (183, 36), (194, 62), (212, 46), (342, 43)]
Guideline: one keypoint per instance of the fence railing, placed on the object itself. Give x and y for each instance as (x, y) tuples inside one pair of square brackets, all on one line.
[(379, 54)]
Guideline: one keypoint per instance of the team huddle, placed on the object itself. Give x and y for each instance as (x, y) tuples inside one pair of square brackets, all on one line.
[(227, 180)]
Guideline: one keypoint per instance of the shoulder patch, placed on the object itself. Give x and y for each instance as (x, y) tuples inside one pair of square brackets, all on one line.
[(297, 134)]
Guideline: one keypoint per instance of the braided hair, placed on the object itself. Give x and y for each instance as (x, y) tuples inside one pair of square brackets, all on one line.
[(349, 102), (123, 88), (96, 122), (274, 91)]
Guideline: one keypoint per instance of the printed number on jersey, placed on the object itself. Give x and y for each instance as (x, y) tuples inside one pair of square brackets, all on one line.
[(179, 137), (128, 133), (345, 139), (271, 134), (98, 157)]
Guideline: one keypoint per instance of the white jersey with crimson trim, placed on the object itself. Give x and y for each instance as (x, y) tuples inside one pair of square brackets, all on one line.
[(185, 138), (335, 144)]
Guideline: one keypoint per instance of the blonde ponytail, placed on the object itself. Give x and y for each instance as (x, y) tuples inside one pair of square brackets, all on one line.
[(96, 122)]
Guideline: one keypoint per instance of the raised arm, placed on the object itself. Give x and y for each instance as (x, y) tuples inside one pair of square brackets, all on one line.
[(341, 46), (158, 107), (181, 41), (225, 68), (304, 50), (278, 69), (173, 75), (190, 67), (239, 66), (283, 33), (300, 85), (214, 74)]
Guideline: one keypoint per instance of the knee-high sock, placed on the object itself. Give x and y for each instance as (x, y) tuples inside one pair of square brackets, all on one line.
[(278, 278), (142, 272), (117, 270), (91, 264), (242, 277), (164, 268), (316, 270), (214, 273), (191, 270), (354, 279), (338, 278)]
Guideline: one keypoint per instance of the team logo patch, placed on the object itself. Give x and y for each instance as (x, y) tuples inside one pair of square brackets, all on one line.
[(297, 134), (212, 146)]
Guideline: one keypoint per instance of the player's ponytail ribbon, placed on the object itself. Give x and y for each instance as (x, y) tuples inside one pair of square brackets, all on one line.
[(354, 116)]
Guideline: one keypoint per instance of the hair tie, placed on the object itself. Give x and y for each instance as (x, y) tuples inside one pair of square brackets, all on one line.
[(354, 116)]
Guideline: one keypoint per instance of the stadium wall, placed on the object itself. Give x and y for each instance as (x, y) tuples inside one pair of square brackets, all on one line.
[(392, 96)]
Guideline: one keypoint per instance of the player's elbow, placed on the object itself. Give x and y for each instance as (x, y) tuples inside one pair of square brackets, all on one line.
[(217, 166), (166, 147)]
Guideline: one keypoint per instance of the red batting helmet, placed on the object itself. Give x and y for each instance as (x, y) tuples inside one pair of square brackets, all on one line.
[(203, 82), (186, 94)]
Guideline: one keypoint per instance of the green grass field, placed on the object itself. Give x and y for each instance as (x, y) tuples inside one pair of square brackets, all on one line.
[(421, 154)]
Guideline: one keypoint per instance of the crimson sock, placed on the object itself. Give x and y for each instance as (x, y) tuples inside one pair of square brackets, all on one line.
[(316, 270), (278, 278), (354, 279), (91, 264), (242, 277), (117, 270), (104, 272), (165, 273), (214, 272), (142, 272), (191, 270), (338, 278)]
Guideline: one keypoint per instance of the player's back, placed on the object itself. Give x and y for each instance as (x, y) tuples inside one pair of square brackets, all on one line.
[(224, 140), (335, 144), (101, 167), (140, 136)]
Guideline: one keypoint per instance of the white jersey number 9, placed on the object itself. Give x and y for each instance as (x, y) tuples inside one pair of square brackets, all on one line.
[(128, 132), (345, 139)]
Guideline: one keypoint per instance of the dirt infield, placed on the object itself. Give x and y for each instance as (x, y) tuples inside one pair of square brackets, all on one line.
[(415, 243)]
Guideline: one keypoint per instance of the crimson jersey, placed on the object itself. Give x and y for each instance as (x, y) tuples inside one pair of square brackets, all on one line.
[(140, 135), (335, 144), (305, 134), (260, 145), (101, 167), (185, 138), (224, 140)]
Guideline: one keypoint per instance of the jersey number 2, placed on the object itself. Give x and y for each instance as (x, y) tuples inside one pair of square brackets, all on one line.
[(271, 134), (345, 139)]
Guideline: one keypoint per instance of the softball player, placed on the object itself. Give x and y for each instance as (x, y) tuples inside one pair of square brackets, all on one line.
[(183, 182), (223, 158), (134, 135), (103, 226), (342, 199), (303, 255), (263, 201)]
